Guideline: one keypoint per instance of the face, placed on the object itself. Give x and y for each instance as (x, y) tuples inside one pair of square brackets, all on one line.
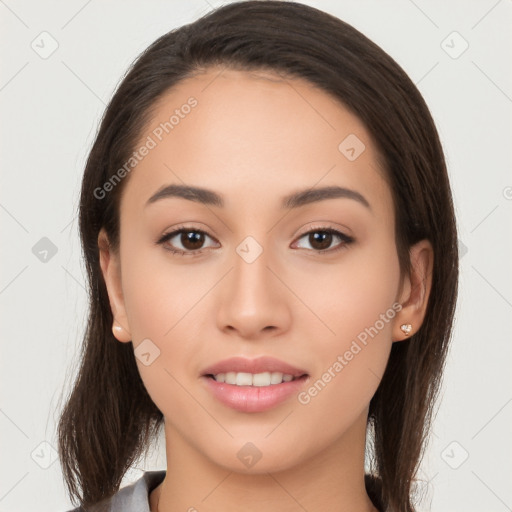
[(311, 284)]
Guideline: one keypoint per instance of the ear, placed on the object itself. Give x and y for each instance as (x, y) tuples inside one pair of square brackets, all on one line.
[(111, 270), (415, 291)]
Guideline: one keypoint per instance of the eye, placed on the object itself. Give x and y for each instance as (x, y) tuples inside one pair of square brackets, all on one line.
[(185, 241), (321, 240), (190, 241)]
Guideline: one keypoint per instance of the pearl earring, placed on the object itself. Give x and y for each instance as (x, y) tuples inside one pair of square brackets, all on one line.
[(406, 329), (117, 329)]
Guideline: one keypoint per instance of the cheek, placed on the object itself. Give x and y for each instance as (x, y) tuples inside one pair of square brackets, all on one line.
[(161, 296), (352, 294), (162, 313), (348, 368), (165, 305), (356, 303)]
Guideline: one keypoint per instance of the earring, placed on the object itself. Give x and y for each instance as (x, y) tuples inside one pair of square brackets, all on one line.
[(406, 329), (120, 333), (116, 328)]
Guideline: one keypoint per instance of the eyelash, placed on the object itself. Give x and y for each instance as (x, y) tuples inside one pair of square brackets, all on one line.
[(345, 240)]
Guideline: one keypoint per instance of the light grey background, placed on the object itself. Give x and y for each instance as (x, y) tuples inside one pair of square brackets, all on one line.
[(50, 109)]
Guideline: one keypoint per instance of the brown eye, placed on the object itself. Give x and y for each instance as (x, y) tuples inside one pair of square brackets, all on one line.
[(320, 240), (325, 240), (186, 241), (192, 240)]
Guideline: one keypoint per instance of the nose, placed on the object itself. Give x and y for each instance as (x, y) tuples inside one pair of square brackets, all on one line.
[(254, 303)]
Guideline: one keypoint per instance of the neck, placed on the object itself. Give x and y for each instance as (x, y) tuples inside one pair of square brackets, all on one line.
[(332, 480)]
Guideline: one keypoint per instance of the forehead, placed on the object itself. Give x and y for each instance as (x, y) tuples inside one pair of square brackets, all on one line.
[(253, 132)]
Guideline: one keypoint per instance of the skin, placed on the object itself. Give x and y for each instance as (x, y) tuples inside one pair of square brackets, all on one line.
[(254, 138)]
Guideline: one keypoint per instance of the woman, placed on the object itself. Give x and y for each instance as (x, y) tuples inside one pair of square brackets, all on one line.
[(271, 246)]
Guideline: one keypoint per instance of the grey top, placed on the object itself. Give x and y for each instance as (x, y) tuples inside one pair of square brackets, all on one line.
[(131, 498)]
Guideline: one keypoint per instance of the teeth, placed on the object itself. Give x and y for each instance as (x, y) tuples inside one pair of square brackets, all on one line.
[(276, 378), (243, 379), (250, 379)]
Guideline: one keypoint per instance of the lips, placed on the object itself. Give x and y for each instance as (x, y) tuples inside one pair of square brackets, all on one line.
[(256, 387)]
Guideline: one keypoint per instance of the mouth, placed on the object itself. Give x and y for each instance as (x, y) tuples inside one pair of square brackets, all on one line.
[(254, 379), (263, 368), (253, 385)]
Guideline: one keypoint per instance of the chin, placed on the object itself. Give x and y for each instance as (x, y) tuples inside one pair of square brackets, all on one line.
[(260, 456)]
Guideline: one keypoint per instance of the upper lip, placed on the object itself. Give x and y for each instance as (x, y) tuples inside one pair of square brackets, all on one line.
[(257, 365)]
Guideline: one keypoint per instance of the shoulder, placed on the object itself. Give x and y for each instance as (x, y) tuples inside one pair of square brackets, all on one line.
[(131, 498)]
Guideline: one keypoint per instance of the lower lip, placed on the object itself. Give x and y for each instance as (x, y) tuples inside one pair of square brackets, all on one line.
[(253, 398)]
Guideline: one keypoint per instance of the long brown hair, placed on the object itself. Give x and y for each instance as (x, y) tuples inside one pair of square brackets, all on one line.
[(109, 418)]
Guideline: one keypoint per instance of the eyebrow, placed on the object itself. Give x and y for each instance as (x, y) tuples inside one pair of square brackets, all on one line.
[(294, 200)]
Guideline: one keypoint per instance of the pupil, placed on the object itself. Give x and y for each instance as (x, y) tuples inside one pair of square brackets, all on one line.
[(322, 239), (192, 240)]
